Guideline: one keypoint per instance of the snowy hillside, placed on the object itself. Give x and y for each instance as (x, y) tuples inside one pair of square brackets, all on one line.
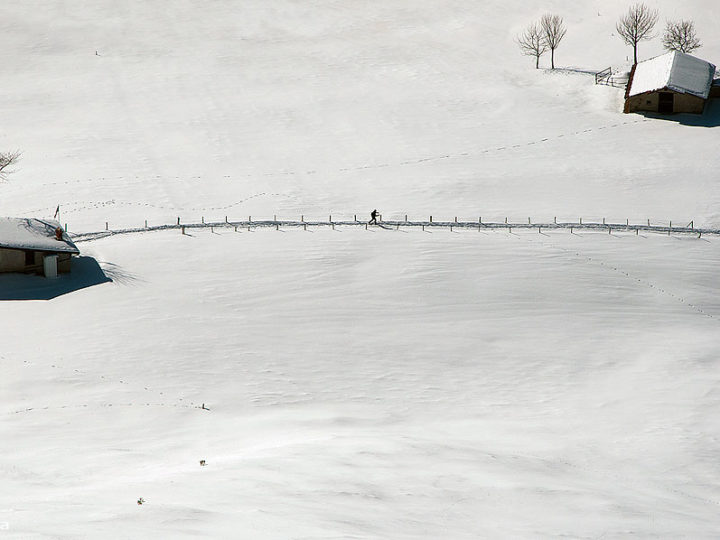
[(360, 384)]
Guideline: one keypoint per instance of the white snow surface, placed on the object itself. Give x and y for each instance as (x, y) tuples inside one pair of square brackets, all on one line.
[(675, 71), (360, 384), (34, 234)]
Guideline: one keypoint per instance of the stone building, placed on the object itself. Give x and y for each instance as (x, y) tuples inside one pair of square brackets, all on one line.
[(35, 246), (671, 83)]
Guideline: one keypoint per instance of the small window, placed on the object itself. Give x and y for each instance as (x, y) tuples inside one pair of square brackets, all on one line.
[(648, 102), (29, 258)]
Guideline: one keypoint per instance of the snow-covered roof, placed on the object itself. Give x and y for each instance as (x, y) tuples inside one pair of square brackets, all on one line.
[(675, 71), (34, 234)]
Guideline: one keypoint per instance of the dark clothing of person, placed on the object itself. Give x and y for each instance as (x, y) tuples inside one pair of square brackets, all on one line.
[(373, 217)]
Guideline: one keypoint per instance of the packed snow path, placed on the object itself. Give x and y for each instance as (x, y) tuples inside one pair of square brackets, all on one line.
[(397, 224)]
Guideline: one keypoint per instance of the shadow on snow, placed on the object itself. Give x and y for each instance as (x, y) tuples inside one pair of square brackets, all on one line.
[(86, 272), (710, 117)]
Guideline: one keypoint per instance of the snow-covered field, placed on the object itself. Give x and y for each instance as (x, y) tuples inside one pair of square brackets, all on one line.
[(360, 384)]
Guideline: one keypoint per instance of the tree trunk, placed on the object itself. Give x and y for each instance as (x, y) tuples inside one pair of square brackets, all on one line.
[(537, 61), (552, 58), (635, 54)]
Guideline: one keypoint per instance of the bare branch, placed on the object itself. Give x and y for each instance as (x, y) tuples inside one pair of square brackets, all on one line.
[(637, 26), (553, 31), (6, 160), (532, 42), (680, 36)]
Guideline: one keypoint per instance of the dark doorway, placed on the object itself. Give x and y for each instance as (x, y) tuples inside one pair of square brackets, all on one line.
[(665, 103)]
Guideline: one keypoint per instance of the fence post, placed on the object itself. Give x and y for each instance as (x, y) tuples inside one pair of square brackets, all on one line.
[(692, 224), (423, 227), (354, 217), (627, 221), (671, 223), (637, 231), (302, 218), (555, 220), (430, 219), (330, 218), (450, 227), (304, 226), (366, 226), (609, 230), (226, 219), (178, 220), (648, 222), (106, 225), (603, 221), (580, 221), (235, 228), (146, 223), (183, 229), (480, 220), (505, 220), (405, 218), (538, 230), (277, 227), (202, 219), (571, 230), (528, 221), (455, 219)]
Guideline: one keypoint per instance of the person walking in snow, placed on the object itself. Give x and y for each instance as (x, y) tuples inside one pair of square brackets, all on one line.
[(373, 217)]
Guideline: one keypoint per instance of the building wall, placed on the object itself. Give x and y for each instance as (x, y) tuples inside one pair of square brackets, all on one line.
[(13, 260), (643, 102), (683, 103), (64, 262), (688, 104), (715, 91)]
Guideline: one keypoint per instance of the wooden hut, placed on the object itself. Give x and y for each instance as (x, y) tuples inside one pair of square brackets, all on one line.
[(35, 246), (671, 83)]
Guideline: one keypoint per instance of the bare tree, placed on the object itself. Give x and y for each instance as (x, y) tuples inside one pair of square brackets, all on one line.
[(680, 36), (532, 42), (637, 26), (553, 31), (6, 160)]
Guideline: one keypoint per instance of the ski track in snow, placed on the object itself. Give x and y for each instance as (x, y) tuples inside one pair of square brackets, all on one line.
[(102, 379), (90, 205), (74, 207), (617, 269)]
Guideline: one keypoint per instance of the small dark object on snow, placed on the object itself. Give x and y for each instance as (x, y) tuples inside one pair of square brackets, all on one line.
[(202, 463), (373, 217), (58, 233), (140, 500)]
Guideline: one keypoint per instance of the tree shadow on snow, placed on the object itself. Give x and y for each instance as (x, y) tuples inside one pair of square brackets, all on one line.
[(86, 272)]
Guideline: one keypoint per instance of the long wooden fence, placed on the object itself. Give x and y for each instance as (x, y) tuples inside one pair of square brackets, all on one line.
[(396, 224)]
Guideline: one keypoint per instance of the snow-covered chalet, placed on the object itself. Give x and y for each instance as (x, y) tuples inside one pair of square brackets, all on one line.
[(35, 246), (671, 83)]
